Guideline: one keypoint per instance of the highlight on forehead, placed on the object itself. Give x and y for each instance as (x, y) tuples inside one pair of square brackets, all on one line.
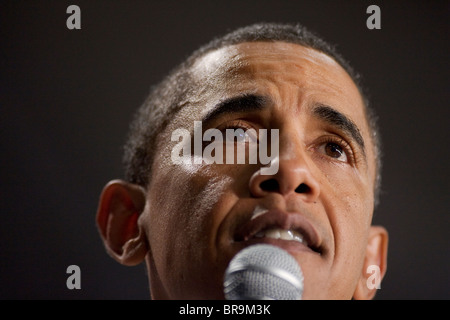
[(213, 61), (237, 58)]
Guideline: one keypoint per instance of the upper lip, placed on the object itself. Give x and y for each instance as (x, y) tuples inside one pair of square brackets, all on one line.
[(280, 219)]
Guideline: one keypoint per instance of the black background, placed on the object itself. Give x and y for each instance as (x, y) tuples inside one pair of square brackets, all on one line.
[(67, 97)]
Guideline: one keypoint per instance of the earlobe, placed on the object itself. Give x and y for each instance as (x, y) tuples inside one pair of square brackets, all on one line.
[(120, 206), (375, 264)]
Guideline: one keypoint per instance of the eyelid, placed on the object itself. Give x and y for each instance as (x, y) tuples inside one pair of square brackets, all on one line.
[(347, 148), (238, 124), (235, 124)]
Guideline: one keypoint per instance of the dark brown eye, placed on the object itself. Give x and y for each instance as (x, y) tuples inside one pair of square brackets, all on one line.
[(335, 151), (240, 135)]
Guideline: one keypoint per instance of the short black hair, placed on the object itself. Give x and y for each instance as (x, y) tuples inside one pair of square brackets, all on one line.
[(168, 97)]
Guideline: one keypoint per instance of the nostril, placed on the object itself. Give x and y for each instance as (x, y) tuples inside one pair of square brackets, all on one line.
[(303, 188), (270, 185)]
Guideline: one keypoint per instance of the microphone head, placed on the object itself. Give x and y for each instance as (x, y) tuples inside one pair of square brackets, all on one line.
[(263, 272)]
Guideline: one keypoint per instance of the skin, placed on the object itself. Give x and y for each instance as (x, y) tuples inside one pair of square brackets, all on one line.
[(188, 224)]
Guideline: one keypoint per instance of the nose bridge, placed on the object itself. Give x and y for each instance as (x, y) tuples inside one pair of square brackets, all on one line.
[(288, 115), (295, 172), (294, 169), (291, 145)]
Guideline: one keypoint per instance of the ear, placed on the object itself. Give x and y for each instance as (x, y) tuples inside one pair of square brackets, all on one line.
[(375, 264), (120, 206)]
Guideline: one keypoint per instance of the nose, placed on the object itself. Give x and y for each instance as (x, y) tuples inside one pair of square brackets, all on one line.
[(293, 176)]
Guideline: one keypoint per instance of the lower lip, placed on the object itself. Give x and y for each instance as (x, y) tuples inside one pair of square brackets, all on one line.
[(291, 246)]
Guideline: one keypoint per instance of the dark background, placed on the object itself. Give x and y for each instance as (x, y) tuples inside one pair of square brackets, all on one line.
[(67, 96)]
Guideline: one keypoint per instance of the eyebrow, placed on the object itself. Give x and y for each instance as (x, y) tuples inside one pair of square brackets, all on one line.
[(243, 103), (340, 121), (253, 102)]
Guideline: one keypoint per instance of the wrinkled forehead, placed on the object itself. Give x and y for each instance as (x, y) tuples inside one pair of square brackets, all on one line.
[(237, 57), (256, 67), (234, 66)]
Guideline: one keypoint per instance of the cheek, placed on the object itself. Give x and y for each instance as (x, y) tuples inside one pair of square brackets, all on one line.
[(186, 207), (180, 201), (183, 195), (348, 188), (348, 202)]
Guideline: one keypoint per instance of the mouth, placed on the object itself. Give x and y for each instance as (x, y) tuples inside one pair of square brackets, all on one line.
[(278, 233), (291, 231)]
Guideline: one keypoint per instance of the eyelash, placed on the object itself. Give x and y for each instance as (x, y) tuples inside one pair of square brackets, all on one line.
[(238, 124), (341, 143)]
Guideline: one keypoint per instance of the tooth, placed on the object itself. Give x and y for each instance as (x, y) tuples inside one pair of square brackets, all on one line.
[(286, 235), (277, 233), (273, 233), (298, 238)]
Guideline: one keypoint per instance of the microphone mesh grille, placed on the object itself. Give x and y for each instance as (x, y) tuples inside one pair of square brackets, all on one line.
[(263, 272)]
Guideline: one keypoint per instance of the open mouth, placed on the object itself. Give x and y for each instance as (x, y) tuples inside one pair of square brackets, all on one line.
[(278, 233), (279, 227)]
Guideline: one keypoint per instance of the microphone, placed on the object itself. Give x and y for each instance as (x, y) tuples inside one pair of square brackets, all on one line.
[(263, 272)]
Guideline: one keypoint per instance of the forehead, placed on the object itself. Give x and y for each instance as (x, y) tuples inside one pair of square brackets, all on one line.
[(235, 58), (278, 69)]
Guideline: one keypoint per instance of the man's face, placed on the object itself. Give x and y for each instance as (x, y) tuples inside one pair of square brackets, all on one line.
[(318, 205)]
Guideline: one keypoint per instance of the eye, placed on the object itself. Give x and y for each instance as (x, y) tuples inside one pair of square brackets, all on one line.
[(335, 150), (240, 132), (240, 135)]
